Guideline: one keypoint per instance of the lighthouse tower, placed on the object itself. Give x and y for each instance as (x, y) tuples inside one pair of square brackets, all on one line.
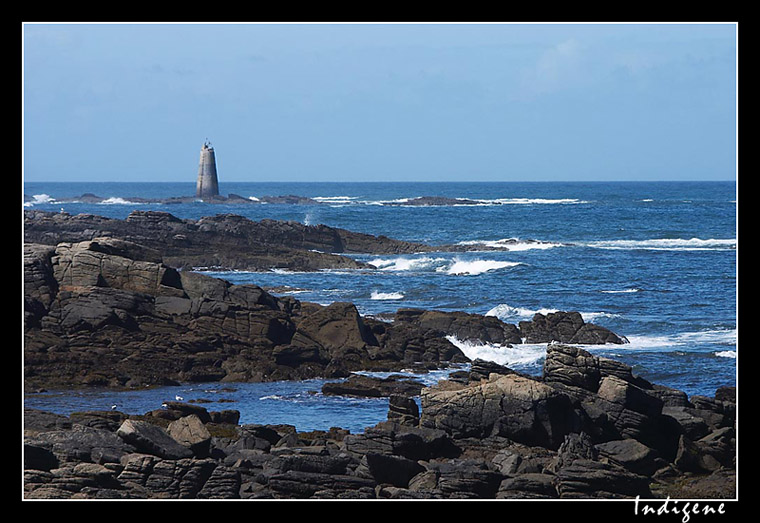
[(207, 185)]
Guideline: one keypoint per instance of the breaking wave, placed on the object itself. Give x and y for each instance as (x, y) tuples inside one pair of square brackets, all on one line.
[(115, 200), (520, 355), (683, 340), (455, 266), (386, 295), (693, 244), (39, 199), (449, 202), (513, 244), (507, 313)]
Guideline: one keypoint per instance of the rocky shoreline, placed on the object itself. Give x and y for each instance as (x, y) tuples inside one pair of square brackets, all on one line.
[(587, 429), (228, 241), (108, 304), (110, 312)]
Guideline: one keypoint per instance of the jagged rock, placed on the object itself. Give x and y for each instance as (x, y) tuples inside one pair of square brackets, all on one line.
[(81, 443), (632, 455), (188, 409), (36, 421), (482, 370), (462, 325), (520, 408), (390, 469), (571, 366), (191, 432), (109, 420), (403, 410), (585, 478), (462, 478), (565, 327), (338, 329), (224, 483), (528, 486), (224, 240)]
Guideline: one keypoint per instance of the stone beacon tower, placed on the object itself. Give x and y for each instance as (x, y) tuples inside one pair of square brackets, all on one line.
[(207, 185)]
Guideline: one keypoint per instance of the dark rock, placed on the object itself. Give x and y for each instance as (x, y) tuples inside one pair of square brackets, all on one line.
[(81, 443), (403, 410), (230, 417), (565, 327), (462, 325), (726, 394), (36, 421), (188, 409), (368, 386), (528, 486), (462, 478), (39, 458), (482, 369), (632, 455), (152, 439), (520, 408), (585, 478), (393, 470)]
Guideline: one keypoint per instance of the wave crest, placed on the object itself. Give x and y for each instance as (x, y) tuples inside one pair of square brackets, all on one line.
[(508, 313), (519, 355), (693, 244), (454, 267), (386, 295)]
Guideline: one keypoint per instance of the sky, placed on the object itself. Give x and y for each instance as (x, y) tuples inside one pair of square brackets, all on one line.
[(380, 102)]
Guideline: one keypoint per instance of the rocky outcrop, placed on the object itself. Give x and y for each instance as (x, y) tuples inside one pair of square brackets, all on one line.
[(504, 437), (565, 327), (109, 312), (223, 241), (227, 241)]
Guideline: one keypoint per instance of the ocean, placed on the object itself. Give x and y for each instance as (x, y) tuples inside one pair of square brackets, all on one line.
[(655, 262)]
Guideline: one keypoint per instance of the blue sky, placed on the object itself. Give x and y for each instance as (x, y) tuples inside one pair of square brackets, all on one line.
[(380, 102)]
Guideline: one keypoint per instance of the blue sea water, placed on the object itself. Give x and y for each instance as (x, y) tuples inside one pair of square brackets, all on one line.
[(654, 262)]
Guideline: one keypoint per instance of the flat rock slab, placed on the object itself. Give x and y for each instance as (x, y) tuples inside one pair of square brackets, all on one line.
[(152, 439)]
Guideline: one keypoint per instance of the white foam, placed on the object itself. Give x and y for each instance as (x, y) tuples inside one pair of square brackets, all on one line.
[(683, 339), (512, 244), (533, 201), (524, 354), (253, 199), (726, 354), (508, 313), (624, 291), (38, 199), (693, 244), (335, 200), (386, 295), (406, 264), (115, 200), (474, 267)]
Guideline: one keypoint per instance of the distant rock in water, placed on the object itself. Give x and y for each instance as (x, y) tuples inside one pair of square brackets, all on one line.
[(434, 201)]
